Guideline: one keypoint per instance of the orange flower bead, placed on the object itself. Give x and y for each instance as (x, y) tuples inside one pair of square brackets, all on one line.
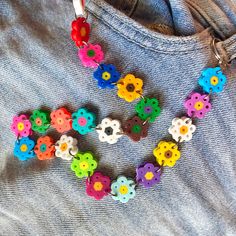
[(44, 148), (61, 120)]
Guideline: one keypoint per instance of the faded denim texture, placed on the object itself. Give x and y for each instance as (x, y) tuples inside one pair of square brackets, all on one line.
[(39, 68)]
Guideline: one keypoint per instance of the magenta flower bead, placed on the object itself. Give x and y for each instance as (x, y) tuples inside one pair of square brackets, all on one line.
[(21, 126), (197, 105), (90, 55), (98, 186)]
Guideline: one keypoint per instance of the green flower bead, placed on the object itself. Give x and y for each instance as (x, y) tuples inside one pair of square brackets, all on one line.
[(83, 164), (148, 108), (40, 121)]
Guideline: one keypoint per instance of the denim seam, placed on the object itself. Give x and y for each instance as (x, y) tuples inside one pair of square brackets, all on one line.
[(180, 42), (173, 52), (184, 41)]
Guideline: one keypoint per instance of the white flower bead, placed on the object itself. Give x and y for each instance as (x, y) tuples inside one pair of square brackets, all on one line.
[(109, 130), (182, 129), (66, 147)]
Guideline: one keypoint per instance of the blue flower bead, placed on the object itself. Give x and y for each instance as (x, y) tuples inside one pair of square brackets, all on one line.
[(24, 148), (106, 75), (123, 189), (212, 79), (83, 121)]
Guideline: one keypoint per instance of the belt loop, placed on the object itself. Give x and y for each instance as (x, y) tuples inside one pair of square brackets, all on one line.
[(229, 46)]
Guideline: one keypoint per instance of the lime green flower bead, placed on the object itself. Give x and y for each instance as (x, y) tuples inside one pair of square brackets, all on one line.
[(83, 164)]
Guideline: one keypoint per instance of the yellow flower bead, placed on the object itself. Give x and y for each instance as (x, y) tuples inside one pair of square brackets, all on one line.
[(166, 153), (130, 88)]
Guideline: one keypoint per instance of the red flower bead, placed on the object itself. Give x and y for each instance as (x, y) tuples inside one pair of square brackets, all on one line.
[(98, 185), (80, 31), (44, 148), (61, 120)]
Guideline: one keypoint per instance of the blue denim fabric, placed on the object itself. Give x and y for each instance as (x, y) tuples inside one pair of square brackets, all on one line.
[(39, 69)]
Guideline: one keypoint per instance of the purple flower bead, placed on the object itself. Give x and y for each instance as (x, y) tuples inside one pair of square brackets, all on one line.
[(148, 175), (197, 105)]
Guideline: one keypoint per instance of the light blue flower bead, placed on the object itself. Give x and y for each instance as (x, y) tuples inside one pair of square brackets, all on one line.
[(212, 79), (24, 148), (83, 121), (123, 189)]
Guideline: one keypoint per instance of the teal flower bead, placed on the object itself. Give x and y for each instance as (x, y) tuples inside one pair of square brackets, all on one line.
[(212, 80), (123, 189), (83, 121)]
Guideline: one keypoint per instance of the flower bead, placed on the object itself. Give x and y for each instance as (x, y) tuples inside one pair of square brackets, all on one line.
[(83, 121), (61, 120), (80, 31), (44, 149), (148, 175), (21, 126), (109, 130), (98, 186), (83, 164), (212, 80), (166, 153), (130, 88), (123, 189), (136, 129), (66, 147), (40, 121), (182, 129), (148, 109), (24, 148), (197, 105), (106, 75), (90, 55)]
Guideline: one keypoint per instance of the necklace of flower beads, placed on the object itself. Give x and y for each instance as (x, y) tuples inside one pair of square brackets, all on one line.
[(212, 80)]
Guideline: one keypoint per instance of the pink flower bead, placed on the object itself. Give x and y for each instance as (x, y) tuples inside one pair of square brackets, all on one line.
[(197, 105), (98, 186), (90, 55), (21, 126)]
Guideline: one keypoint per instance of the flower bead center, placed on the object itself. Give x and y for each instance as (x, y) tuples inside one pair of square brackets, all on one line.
[(130, 87), (20, 126), (108, 131), (97, 186), (123, 189), (106, 75), (82, 121), (60, 121), (43, 147), (149, 175), (198, 105), (83, 31), (168, 154), (84, 165), (148, 109), (63, 147), (38, 121), (23, 148), (214, 80), (183, 129), (91, 53), (136, 129)]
